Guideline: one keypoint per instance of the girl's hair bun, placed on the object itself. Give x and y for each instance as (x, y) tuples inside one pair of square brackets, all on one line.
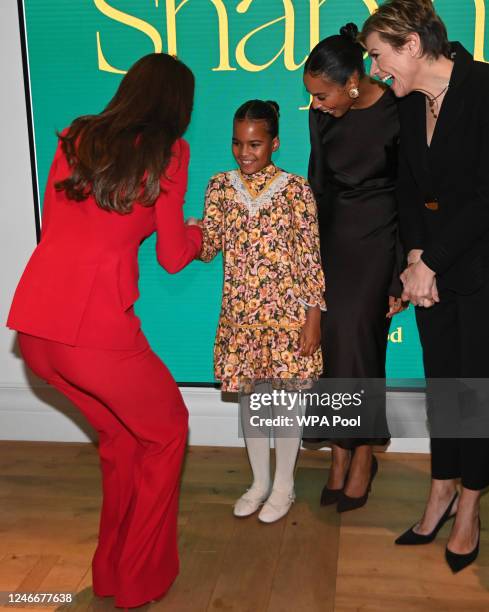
[(275, 106), (350, 31), (260, 110)]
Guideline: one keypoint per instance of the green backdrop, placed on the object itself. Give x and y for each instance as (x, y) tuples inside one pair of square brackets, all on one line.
[(77, 51)]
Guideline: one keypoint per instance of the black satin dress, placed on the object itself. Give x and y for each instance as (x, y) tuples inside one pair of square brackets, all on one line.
[(352, 172)]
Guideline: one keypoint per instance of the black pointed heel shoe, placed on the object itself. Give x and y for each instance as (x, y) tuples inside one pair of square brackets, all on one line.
[(411, 538), (331, 496), (346, 503), (459, 562)]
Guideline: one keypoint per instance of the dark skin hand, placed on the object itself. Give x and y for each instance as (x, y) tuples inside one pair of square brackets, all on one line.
[(310, 337), (396, 305)]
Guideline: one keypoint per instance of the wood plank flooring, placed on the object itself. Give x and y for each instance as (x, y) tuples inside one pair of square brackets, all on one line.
[(313, 561)]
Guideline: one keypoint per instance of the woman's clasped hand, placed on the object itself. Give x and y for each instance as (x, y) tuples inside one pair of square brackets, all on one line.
[(419, 282)]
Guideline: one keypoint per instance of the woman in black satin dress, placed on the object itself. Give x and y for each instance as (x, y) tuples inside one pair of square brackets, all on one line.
[(354, 131)]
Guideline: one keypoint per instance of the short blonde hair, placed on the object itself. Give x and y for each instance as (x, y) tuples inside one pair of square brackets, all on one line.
[(395, 20)]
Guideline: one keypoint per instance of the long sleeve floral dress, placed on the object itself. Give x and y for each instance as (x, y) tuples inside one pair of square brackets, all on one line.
[(266, 226)]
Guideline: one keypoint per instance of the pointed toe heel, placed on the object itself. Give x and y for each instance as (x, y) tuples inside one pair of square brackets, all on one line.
[(329, 496), (411, 538), (347, 503), (458, 562)]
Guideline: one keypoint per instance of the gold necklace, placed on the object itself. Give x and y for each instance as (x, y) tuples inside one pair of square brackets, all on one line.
[(432, 100)]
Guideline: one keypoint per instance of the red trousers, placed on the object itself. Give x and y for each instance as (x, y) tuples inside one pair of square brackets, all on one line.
[(132, 401)]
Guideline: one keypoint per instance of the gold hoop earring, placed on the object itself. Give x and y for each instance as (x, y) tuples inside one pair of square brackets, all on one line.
[(354, 93)]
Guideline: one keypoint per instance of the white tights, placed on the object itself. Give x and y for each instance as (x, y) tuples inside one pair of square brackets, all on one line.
[(287, 444)]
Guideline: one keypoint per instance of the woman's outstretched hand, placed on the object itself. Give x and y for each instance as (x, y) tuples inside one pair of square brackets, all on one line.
[(310, 337)]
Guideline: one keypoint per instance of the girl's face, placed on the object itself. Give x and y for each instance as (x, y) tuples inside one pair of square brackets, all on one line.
[(400, 65), (253, 145), (329, 97)]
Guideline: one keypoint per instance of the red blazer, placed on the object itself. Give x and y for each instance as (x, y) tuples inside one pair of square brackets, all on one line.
[(81, 282)]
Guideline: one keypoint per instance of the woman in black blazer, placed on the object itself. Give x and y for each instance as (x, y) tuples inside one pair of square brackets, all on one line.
[(443, 198)]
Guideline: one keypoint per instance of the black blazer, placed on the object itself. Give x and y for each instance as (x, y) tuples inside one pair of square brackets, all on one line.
[(454, 172)]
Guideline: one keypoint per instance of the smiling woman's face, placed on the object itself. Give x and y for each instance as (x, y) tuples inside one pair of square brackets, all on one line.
[(327, 96), (400, 65)]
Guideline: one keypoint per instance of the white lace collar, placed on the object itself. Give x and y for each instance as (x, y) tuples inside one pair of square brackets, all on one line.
[(253, 204)]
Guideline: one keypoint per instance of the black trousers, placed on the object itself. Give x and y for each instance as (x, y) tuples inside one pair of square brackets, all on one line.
[(454, 335)]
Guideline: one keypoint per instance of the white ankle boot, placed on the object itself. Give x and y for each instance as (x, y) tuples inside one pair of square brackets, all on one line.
[(276, 506), (249, 503)]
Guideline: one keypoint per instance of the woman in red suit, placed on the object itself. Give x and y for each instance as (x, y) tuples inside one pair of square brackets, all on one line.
[(116, 178)]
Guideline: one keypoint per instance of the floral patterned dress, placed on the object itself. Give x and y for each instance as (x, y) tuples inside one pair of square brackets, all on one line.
[(265, 224)]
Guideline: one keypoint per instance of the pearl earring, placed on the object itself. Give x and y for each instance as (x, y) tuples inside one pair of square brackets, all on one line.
[(354, 93)]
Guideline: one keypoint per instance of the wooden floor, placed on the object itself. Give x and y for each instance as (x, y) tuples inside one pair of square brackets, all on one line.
[(311, 561)]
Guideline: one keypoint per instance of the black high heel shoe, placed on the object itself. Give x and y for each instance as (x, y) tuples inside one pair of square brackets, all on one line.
[(459, 562), (346, 503), (410, 537), (331, 496)]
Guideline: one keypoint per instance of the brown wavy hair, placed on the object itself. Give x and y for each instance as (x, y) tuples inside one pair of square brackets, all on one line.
[(119, 155), (395, 20)]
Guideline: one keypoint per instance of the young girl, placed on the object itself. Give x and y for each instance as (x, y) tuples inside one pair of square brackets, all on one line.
[(265, 222)]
